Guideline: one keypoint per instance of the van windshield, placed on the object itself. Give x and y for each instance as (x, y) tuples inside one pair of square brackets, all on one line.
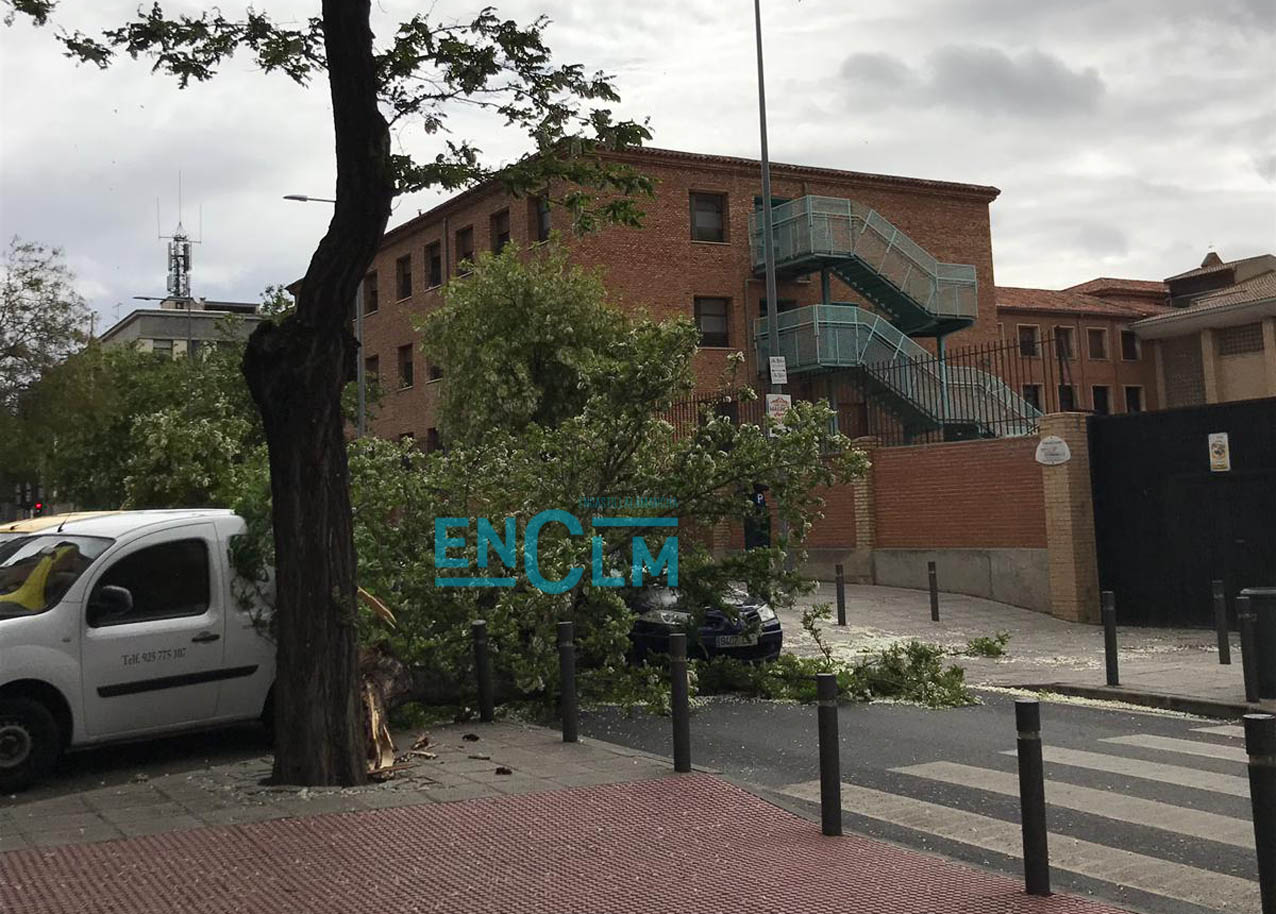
[(36, 571)]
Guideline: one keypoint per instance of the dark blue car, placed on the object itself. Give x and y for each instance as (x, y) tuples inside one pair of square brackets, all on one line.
[(754, 633)]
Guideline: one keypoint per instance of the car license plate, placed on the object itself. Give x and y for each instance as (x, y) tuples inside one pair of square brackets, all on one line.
[(737, 640)]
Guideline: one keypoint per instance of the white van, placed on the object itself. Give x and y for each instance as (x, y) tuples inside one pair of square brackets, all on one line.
[(122, 626)]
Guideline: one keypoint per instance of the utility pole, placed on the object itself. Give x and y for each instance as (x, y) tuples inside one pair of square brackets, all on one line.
[(768, 253)]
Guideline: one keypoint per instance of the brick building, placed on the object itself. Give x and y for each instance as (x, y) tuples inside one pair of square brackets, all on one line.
[(1216, 342), (1075, 349), (868, 264)]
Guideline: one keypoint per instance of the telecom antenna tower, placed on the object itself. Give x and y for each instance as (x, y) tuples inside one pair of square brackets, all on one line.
[(179, 251)]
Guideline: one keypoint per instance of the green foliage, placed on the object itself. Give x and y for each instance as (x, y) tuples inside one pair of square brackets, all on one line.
[(906, 672), (985, 646), (812, 616)]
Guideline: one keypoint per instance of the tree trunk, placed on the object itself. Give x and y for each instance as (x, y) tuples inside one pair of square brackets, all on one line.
[(296, 370)]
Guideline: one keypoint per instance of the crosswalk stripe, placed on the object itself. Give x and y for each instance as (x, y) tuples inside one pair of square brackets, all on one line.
[(1231, 730), (1148, 771), (1182, 746), (1109, 864), (1106, 803)]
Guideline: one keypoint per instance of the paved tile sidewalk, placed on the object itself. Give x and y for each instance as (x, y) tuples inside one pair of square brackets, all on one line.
[(1042, 649), (231, 794), (676, 844)]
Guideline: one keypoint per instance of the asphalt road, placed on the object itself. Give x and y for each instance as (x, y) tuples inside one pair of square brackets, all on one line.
[(1162, 796)]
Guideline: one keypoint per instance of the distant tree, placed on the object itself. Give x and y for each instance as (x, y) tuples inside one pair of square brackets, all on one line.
[(296, 368), (42, 318)]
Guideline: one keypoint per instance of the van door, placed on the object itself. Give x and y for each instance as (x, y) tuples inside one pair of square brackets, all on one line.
[(153, 648)]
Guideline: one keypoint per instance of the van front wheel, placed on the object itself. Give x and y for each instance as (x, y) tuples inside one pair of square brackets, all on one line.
[(29, 742)]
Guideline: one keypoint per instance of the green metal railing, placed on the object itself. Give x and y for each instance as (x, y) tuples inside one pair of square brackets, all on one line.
[(842, 336), (819, 231)]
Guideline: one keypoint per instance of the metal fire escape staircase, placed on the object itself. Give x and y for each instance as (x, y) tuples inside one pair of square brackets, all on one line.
[(914, 294)]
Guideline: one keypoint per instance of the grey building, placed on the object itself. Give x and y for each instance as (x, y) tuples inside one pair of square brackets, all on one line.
[(179, 327)]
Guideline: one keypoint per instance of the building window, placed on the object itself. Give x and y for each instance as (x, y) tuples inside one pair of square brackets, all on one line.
[(711, 319), (1240, 340), (1064, 344), (1134, 399), (434, 262), (538, 218), (1099, 396), (1097, 338), (708, 217), (781, 305), (435, 372), (465, 249), (162, 348), (403, 277), (372, 369), (1067, 398), (371, 298), (432, 441), (1032, 394), (1129, 346), (405, 366), (1029, 340), (500, 230)]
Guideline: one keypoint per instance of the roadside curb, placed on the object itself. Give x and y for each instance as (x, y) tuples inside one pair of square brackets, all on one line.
[(1186, 704)]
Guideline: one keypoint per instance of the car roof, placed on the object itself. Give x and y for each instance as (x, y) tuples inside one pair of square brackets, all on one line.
[(118, 523), (36, 524)]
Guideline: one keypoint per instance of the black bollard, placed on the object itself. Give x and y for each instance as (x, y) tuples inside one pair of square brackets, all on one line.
[(680, 702), (841, 596), (830, 761), (567, 679), (1260, 744), (934, 591), (1032, 797), (1247, 621), (483, 670), (1220, 623), (1108, 611)]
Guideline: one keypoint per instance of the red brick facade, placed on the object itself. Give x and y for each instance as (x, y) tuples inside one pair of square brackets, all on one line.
[(970, 494), (659, 268)]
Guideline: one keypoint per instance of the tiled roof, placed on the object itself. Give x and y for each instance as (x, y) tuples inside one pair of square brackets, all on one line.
[(1063, 301), (1255, 289), (1109, 284), (1214, 268)]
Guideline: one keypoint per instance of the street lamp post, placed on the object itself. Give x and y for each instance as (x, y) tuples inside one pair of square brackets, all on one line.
[(768, 248), (361, 421)]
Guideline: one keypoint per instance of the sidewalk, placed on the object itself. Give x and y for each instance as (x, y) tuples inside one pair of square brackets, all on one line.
[(681, 844), (1164, 667)]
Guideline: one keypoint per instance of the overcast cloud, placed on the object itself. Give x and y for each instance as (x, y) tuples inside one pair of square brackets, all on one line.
[(1127, 138)]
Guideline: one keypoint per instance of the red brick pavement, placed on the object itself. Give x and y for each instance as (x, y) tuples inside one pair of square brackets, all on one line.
[(691, 845)]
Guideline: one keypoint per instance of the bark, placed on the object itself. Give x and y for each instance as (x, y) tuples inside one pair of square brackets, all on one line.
[(296, 371)]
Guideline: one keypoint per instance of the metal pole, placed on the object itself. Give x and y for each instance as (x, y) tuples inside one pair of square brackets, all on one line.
[(1248, 623), (1220, 624), (567, 679), (1032, 797), (841, 596), (1108, 611), (830, 761), (934, 591), (680, 708), (768, 240), (1260, 744), (483, 670)]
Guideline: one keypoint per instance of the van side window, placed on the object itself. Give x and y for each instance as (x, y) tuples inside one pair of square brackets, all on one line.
[(166, 581)]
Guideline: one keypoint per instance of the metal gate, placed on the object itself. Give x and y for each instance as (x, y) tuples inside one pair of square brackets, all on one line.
[(1167, 525)]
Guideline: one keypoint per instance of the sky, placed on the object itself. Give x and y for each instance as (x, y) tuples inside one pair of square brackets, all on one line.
[(1128, 138)]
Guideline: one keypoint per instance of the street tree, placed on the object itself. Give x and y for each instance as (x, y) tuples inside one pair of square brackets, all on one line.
[(296, 367), (42, 318)]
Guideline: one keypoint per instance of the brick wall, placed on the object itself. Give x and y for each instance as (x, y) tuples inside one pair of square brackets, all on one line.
[(1184, 375), (660, 269), (837, 529), (970, 494)]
